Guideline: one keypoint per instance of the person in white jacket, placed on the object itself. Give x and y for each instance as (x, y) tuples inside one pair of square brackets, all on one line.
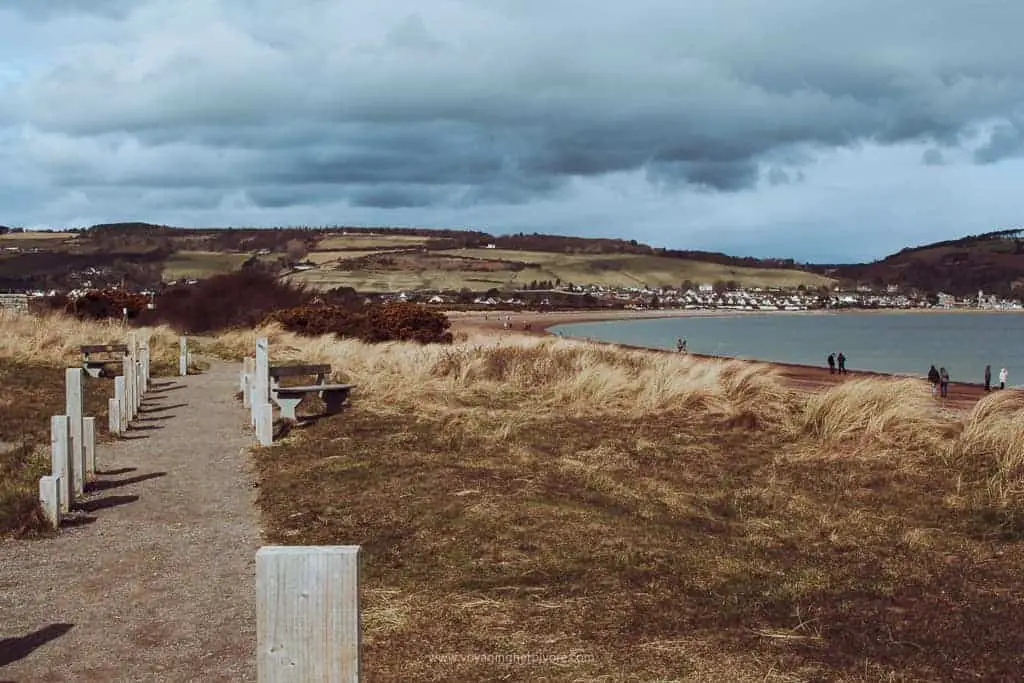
[(1002, 378)]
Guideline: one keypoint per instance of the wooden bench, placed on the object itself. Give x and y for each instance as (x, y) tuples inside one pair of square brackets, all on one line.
[(95, 366), (288, 398)]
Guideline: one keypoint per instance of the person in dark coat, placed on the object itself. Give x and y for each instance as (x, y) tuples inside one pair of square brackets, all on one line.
[(831, 364), (943, 382), (933, 379), (988, 378), (841, 359)]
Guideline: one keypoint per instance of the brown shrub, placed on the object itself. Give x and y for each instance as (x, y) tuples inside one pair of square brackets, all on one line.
[(375, 323), (224, 301)]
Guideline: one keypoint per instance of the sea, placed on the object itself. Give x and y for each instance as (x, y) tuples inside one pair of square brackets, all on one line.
[(900, 343)]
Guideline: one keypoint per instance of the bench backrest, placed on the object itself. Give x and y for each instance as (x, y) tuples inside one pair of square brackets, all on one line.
[(279, 371), (104, 348)]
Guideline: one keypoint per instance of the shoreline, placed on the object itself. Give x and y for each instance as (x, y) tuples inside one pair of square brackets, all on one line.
[(811, 378)]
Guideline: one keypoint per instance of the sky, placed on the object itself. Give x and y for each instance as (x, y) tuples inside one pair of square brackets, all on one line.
[(835, 131)]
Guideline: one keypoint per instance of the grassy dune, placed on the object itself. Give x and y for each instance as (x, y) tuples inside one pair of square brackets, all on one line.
[(654, 516)]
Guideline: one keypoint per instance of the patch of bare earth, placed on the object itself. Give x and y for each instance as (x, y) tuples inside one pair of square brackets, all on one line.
[(153, 578)]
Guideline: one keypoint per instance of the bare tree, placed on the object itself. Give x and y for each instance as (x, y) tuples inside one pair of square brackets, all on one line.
[(295, 250)]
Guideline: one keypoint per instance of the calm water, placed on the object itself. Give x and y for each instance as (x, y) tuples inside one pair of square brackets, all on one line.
[(903, 343)]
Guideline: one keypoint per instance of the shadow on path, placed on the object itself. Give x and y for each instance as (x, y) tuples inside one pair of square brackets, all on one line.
[(162, 409), (104, 503), (164, 389), (13, 649), (102, 485), (119, 470)]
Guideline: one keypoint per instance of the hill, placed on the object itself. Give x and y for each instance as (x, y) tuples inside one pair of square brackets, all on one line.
[(367, 259), (992, 262), (504, 269), (411, 259)]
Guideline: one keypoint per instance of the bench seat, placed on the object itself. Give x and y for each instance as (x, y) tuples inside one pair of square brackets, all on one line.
[(95, 367), (333, 395)]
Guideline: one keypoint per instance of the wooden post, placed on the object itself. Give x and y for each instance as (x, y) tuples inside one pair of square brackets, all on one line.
[(262, 377), (247, 393), (49, 499), (114, 417), (307, 614), (60, 442), (265, 425), (140, 388), (183, 356), (89, 441), (122, 403), (74, 397), (145, 365)]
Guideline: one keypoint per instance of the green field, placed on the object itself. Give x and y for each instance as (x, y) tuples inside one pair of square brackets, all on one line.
[(200, 264), (368, 241)]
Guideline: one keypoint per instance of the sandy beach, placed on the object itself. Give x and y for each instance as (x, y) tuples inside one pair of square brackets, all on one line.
[(962, 395)]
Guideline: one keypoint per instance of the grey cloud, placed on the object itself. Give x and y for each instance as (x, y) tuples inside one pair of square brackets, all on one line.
[(1005, 141), (454, 105), (933, 157)]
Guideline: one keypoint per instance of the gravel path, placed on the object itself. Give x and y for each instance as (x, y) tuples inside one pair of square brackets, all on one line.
[(156, 583)]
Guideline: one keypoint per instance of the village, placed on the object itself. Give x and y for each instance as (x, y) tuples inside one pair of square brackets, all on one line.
[(710, 297), (705, 296)]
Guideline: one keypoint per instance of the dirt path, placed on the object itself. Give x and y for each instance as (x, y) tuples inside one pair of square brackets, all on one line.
[(156, 583)]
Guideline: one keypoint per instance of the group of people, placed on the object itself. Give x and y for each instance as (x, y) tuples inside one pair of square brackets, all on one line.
[(836, 363), (940, 379), (681, 345)]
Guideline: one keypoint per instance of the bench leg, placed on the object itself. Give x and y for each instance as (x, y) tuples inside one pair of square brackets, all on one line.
[(333, 401), (288, 406)]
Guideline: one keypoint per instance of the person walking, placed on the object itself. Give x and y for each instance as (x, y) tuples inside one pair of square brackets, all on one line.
[(680, 345), (943, 382), (831, 364), (841, 359), (988, 378), (933, 378), (1002, 378)]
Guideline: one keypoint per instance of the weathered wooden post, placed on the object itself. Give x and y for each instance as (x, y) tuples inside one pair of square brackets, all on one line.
[(73, 399), (241, 373), (114, 416), (126, 398), (49, 499), (261, 379), (307, 614), (60, 462), (89, 441), (140, 389), (121, 397), (183, 356), (265, 425), (145, 365)]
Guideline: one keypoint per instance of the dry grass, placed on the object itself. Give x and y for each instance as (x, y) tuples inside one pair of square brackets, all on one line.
[(34, 352), (56, 339), (990, 450), (568, 376), (666, 518), (32, 393), (893, 412)]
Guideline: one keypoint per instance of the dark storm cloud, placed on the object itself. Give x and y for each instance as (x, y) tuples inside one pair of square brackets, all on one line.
[(453, 105)]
